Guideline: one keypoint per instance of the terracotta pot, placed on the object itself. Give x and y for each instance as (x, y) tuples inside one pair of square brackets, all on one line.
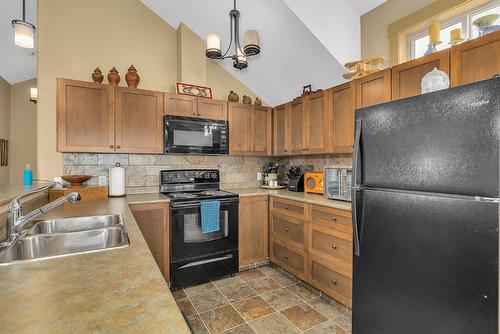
[(258, 102), (233, 97), (246, 99), (113, 77), (132, 77), (97, 75)]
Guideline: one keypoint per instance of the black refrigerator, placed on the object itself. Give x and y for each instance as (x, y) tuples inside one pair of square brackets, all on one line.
[(425, 213)]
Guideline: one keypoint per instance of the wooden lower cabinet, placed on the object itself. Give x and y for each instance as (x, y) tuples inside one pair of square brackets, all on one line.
[(290, 258), (291, 230), (336, 219), (253, 230), (332, 245), (294, 209), (153, 221), (324, 276)]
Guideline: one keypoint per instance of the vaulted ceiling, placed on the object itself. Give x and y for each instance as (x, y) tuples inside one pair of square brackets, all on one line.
[(302, 42)]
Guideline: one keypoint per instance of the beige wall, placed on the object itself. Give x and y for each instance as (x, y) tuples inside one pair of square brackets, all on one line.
[(374, 26), (4, 123), (191, 58), (104, 33), (23, 131)]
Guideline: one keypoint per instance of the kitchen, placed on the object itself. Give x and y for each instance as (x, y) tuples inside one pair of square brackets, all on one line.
[(281, 215)]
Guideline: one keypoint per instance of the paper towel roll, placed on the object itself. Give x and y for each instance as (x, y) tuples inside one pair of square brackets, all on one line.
[(117, 181)]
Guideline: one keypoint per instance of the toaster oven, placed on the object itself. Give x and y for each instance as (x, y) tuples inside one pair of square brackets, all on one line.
[(338, 183)]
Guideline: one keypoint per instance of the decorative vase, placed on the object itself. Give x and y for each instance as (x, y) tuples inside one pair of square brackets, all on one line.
[(246, 99), (113, 77), (132, 77), (97, 75), (434, 80), (233, 97), (258, 102), (485, 25)]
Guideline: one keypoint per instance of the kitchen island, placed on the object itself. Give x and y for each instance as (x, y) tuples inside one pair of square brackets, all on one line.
[(112, 291)]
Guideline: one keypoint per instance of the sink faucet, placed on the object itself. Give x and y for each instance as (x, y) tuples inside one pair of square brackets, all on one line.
[(16, 221)]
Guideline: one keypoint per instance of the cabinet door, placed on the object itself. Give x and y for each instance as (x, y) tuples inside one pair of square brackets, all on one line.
[(316, 123), (341, 99), (297, 126), (261, 130), (253, 230), (239, 128), (181, 105), (406, 77), (373, 89), (212, 109), (153, 221), (85, 117), (139, 120), (280, 133), (475, 60)]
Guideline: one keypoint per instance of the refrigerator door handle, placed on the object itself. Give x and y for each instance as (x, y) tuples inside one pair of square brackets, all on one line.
[(356, 163)]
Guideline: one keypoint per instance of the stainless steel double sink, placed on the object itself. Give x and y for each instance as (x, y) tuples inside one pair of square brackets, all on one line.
[(67, 236)]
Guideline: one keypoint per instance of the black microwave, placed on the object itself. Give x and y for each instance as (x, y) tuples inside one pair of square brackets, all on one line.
[(195, 135)]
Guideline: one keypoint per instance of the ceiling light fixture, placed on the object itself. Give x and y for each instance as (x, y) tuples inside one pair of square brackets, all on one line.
[(24, 31), (251, 48)]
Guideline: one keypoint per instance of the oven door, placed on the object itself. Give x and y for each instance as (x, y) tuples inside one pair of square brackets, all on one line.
[(195, 135), (187, 239)]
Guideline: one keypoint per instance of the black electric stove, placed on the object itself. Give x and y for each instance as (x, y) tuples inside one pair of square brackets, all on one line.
[(197, 257)]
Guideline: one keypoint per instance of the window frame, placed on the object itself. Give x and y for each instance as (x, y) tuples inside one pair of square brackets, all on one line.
[(464, 19)]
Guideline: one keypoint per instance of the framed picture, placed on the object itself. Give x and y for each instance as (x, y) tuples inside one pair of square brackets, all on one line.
[(193, 90)]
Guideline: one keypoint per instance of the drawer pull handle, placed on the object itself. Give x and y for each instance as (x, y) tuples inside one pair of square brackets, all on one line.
[(334, 219), (285, 257), (111, 146), (286, 229), (286, 207), (334, 282), (334, 246)]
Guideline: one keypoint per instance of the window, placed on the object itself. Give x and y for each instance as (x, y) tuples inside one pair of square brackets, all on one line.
[(418, 42)]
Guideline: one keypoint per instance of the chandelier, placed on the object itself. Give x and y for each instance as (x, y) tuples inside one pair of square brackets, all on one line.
[(23, 31), (251, 47)]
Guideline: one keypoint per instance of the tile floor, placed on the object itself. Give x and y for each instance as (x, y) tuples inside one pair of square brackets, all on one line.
[(263, 301)]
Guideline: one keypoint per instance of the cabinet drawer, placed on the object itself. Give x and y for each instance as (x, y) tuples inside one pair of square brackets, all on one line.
[(287, 207), (331, 245), (324, 277), (289, 229), (332, 218), (289, 258)]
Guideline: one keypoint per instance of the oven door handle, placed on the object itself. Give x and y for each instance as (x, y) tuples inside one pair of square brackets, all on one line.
[(199, 263), (198, 204)]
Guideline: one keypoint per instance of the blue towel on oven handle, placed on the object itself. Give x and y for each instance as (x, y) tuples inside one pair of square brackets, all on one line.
[(210, 216)]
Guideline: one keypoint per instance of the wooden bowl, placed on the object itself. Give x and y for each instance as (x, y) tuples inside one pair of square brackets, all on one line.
[(76, 181)]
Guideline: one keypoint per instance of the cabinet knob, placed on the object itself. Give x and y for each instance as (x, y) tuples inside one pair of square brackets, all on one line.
[(286, 229), (286, 207), (118, 147), (111, 146), (334, 219), (285, 257), (334, 282), (198, 114), (194, 113), (285, 150), (334, 246)]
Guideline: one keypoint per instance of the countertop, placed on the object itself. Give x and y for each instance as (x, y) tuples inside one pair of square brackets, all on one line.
[(299, 196), (9, 191), (113, 291)]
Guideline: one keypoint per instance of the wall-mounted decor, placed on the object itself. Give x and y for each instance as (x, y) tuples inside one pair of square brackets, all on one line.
[(113, 77), (193, 90), (34, 94), (4, 152), (97, 76), (132, 77)]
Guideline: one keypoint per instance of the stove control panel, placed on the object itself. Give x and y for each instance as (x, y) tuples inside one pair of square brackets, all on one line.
[(189, 176)]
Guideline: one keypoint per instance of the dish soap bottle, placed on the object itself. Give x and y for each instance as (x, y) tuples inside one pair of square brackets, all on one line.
[(28, 175)]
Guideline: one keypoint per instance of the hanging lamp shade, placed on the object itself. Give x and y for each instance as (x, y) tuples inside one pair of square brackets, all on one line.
[(213, 46), (252, 43), (24, 34)]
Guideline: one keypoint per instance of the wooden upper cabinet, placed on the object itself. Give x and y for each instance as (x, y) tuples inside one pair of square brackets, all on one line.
[(297, 142), (406, 77), (253, 230), (341, 100), (261, 130), (373, 89), (280, 132), (239, 128), (212, 109), (181, 105), (316, 123), (85, 117), (139, 120), (475, 60)]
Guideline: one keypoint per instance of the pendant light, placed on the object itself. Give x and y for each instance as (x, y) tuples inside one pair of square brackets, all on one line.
[(24, 31), (251, 48)]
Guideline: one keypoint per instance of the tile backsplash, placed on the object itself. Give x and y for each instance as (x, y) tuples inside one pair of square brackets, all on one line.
[(142, 170)]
